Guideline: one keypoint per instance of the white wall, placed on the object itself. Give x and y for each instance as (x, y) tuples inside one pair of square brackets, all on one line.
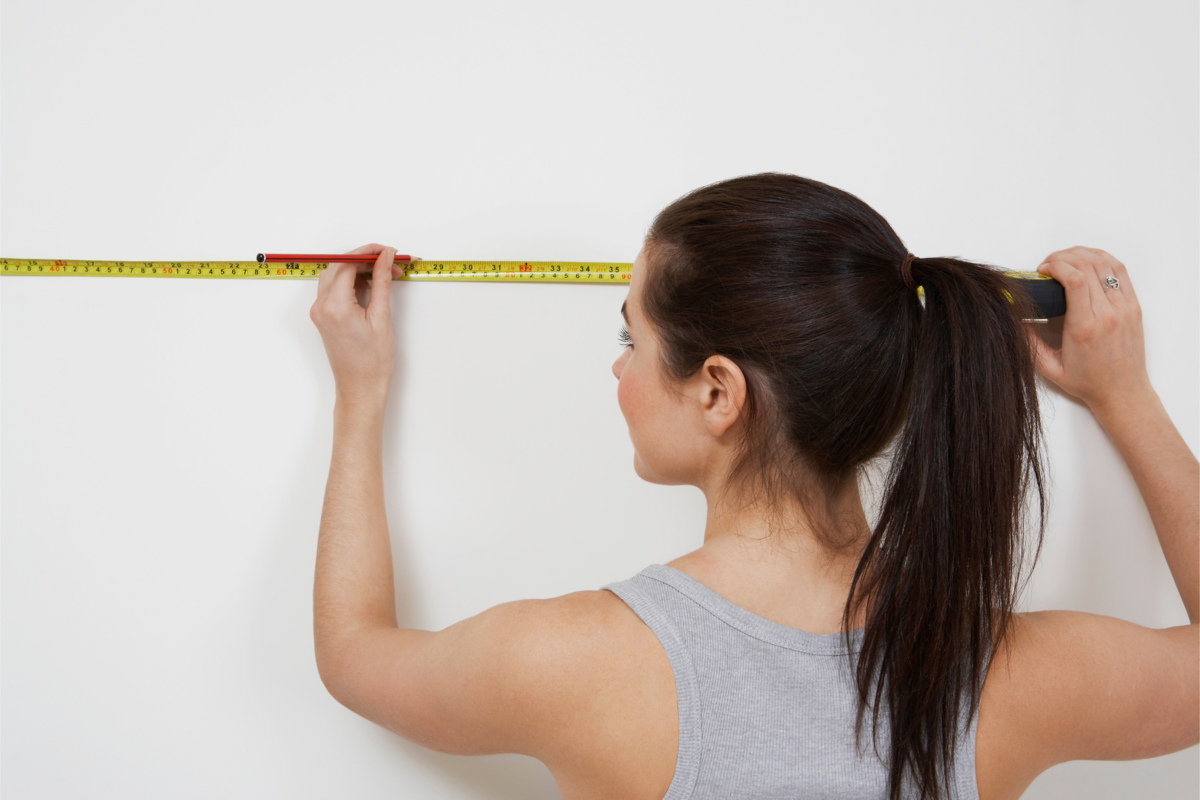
[(165, 443)]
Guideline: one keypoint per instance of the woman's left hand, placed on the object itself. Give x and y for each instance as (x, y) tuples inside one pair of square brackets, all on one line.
[(358, 339)]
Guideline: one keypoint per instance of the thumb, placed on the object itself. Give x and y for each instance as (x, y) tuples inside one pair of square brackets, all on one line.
[(380, 304), (1049, 360)]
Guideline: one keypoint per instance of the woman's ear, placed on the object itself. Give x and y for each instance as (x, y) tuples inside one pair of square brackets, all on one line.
[(723, 393)]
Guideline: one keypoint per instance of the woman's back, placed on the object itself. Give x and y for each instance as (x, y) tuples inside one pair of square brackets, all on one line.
[(629, 722), (764, 710)]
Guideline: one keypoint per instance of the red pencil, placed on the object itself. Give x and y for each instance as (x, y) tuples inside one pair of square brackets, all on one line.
[(309, 258)]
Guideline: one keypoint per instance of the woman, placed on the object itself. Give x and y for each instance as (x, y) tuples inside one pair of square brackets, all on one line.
[(776, 344)]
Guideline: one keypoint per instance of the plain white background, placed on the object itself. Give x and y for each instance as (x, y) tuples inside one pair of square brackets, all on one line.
[(165, 443)]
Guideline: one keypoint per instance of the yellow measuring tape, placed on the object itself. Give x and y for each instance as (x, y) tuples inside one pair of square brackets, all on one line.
[(1048, 294), (504, 271)]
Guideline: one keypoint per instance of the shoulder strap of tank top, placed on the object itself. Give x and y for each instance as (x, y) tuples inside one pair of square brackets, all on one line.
[(687, 763)]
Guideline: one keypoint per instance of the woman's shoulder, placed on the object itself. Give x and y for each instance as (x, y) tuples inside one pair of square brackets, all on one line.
[(612, 685), (576, 681), (1067, 686), (608, 653), (595, 631)]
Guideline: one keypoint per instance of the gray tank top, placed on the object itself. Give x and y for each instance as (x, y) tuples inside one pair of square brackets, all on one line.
[(765, 711)]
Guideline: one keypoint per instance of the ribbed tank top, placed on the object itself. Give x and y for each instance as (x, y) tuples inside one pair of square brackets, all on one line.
[(765, 711)]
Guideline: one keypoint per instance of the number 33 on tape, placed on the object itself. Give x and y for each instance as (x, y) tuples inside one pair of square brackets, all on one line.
[(503, 271)]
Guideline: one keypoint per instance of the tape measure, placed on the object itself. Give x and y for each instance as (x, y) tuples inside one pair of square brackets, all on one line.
[(1047, 293), (502, 271)]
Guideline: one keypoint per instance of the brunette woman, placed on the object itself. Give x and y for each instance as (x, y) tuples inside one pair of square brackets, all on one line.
[(780, 339)]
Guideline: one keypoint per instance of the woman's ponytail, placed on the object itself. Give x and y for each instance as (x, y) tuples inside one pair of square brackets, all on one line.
[(939, 576), (815, 297)]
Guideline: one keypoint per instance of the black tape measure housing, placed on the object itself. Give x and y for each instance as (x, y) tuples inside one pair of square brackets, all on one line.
[(1047, 293)]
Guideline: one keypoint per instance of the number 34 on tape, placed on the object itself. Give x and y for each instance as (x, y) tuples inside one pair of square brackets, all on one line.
[(503, 271)]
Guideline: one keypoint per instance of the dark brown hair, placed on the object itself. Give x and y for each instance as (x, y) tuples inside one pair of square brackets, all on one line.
[(800, 284)]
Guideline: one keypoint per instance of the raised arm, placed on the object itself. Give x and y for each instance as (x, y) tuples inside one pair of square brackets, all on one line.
[(546, 678), (353, 588), (1074, 686), (1103, 362), (1167, 476)]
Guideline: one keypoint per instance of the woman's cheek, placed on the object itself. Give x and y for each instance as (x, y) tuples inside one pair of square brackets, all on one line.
[(631, 397), (628, 392)]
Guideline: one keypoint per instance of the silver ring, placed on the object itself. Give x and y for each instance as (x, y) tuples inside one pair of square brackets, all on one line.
[(1112, 283)]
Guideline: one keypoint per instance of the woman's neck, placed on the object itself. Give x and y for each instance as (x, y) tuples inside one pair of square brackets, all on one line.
[(771, 561)]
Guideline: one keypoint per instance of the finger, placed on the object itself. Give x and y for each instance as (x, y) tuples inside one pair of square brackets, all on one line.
[(1109, 265), (342, 280), (1070, 254), (357, 268), (366, 249), (1074, 282), (368, 270), (336, 267), (329, 277), (1108, 304), (1105, 267), (339, 279), (1118, 300), (1084, 261), (380, 304), (1127, 288), (1047, 359)]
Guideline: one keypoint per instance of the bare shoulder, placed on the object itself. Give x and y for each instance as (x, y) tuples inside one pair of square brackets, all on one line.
[(577, 681), (1070, 686), (611, 716), (583, 640), (591, 633)]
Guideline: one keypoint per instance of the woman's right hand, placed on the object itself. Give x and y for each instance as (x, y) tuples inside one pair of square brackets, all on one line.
[(1103, 355)]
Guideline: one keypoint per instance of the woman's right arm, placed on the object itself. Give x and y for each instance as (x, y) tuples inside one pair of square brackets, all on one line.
[(1072, 686)]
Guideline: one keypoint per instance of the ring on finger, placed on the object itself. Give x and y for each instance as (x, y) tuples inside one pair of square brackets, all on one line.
[(1111, 283)]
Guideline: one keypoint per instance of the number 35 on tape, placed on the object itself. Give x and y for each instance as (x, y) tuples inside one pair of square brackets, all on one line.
[(504, 271)]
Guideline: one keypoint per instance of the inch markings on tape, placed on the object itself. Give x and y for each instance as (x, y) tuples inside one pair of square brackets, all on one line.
[(1047, 294), (500, 271)]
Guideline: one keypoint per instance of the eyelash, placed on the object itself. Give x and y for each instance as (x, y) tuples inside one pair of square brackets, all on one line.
[(623, 337)]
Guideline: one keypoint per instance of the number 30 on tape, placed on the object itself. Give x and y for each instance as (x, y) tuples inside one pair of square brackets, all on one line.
[(504, 271)]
